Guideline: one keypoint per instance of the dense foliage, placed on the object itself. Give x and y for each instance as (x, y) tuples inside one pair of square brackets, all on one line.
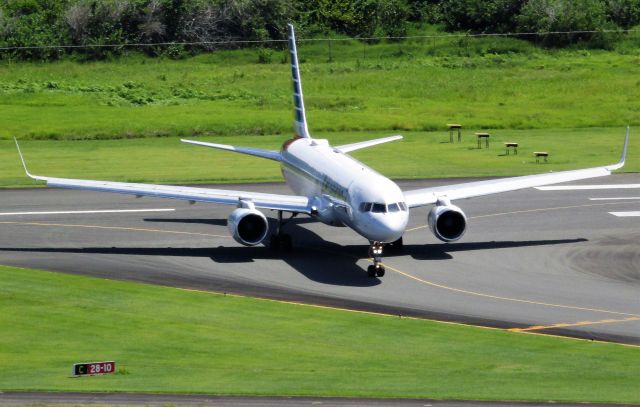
[(86, 24)]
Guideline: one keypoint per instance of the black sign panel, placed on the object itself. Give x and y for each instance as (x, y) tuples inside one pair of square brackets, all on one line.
[(93, 368)]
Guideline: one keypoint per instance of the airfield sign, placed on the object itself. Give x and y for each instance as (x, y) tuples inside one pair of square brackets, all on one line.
[(93, 368)]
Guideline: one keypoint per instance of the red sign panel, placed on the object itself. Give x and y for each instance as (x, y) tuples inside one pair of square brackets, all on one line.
[(93, 368)]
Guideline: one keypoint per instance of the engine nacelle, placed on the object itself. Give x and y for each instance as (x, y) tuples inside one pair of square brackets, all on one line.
[(248, 226), (447, 222)]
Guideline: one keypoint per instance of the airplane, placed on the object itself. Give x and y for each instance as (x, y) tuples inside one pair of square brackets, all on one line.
[(334, 188)]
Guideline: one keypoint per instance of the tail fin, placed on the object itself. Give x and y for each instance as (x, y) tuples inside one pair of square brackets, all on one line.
[(300, 123)]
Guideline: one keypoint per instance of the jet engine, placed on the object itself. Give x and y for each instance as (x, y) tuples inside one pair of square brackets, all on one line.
[(447, 222), (248, 226)]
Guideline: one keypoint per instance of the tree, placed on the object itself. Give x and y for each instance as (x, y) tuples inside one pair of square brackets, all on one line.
[(492, 16), (625, 13), (561, 16)]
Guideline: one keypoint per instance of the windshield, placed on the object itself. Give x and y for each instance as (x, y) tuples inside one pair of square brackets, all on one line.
[(378, 207)]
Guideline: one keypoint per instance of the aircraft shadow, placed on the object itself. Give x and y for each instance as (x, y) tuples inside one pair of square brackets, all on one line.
[(315, 258), (318, 260), (441, 251)]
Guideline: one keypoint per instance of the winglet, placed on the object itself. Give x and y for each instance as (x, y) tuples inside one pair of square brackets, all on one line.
[(22, 159), (300, 121), (623, 157)]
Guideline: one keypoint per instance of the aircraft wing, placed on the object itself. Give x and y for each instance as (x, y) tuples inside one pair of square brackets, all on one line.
[(427, 196), (289, 203), (364, 144)]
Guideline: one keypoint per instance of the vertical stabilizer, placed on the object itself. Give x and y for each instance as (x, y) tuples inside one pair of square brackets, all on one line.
[(300, 121)]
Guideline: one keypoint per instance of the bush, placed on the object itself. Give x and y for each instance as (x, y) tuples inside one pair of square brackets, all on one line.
[(492, 16), (364, 18), (562, 16), (392, 18), (424, 11), (33, 23), (625, 13)]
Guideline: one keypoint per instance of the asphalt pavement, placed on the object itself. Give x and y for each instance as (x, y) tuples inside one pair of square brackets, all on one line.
[(549, 262)]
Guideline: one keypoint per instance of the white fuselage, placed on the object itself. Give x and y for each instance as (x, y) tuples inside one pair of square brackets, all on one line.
[(343, 191)]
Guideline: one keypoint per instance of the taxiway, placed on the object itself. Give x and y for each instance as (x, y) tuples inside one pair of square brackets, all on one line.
[(552, 262)]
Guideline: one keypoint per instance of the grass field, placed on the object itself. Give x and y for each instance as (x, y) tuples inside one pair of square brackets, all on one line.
[(572, 103), (417, 85), (419, 155), (170, 340)]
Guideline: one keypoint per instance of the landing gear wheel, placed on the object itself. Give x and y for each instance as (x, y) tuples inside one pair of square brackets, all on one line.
[(286, 243), (282, 242), (375, 251), (274, 243)]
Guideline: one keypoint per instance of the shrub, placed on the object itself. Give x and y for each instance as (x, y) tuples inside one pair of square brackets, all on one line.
[(392, 18), (481, 16), (625, 13), (562, 16)]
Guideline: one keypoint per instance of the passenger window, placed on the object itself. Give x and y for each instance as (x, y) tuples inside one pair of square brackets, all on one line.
[(394, 207), (379, 208)]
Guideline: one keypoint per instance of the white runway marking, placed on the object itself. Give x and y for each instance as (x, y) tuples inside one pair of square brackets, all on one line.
[(626, 214), (614, 199), (86, 212), (587, 187)]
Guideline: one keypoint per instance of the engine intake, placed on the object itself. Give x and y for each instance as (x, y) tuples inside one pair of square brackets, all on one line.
[(248, 226), (447, 222)]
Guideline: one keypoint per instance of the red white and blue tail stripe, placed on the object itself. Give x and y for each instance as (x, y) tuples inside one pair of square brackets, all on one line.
[(300, 121)]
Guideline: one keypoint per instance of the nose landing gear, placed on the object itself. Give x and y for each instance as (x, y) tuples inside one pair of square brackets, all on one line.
[(376, 269)]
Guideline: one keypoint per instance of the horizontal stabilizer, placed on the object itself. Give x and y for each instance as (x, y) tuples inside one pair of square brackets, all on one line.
[(364, 144), (272, 155)]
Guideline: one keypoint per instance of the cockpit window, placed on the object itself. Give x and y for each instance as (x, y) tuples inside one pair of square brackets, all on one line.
[(365, 206), (379, 208), (383, 208)]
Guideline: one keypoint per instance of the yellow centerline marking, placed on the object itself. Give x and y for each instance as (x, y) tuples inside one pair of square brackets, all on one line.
[(62, 225), (497, 297), (582, 323), (557, 208)]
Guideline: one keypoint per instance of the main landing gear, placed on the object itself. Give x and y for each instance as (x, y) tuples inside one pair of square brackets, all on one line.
[(376, 269), (281, 241)]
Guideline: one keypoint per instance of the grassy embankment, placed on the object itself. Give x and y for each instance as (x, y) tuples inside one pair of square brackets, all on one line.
[(170, 340), (365, 90)]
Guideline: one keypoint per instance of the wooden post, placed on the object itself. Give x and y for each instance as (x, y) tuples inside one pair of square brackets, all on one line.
[(453, 127)]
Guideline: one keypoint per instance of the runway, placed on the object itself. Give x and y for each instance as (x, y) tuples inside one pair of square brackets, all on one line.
[(561, 262)]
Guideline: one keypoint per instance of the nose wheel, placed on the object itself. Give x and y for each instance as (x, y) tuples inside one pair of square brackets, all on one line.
[(375, 252)]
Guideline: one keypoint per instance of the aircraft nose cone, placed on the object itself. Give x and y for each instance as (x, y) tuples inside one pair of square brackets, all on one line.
[(389, 227)]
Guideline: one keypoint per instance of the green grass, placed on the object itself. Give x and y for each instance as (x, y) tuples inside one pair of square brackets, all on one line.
[(572, 103), (419, 155), (417, 85), (170, 340)]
